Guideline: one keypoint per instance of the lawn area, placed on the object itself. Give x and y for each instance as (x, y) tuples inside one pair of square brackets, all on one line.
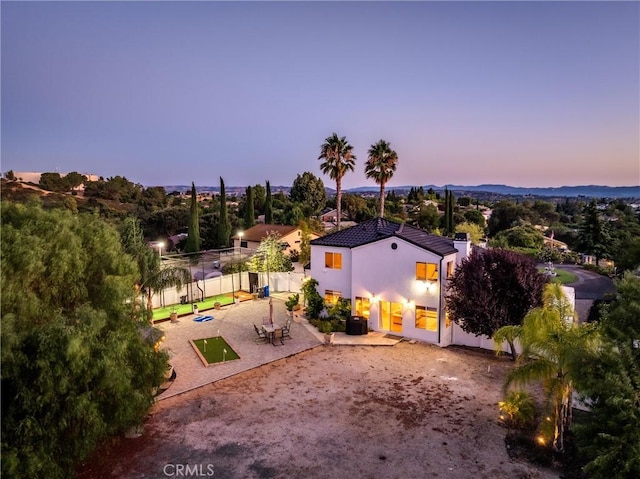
[(562, 276), (163, 313), (215, 349)]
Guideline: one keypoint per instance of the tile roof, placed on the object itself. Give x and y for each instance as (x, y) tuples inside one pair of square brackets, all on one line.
[(379, 228), (260, 231)]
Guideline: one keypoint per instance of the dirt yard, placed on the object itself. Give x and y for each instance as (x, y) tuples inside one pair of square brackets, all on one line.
[(408, 411)]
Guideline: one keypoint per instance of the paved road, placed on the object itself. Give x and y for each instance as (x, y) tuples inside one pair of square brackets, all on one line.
[(589, 287)]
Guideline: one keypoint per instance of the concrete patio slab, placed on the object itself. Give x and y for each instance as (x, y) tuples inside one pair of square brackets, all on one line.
[(235, 324)]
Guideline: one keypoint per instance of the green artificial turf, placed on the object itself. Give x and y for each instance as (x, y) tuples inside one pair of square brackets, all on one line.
[(163, 313), (213, 350)]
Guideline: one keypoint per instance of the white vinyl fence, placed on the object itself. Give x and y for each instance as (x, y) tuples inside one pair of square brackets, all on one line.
[(277, 282)]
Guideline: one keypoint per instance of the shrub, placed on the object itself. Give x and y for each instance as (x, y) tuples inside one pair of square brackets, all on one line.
[(315, 303), (326, 327), (518, 410), (340, 310), (292, 301)]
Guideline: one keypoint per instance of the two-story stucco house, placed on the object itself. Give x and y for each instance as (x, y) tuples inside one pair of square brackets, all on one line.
[(394, 274)]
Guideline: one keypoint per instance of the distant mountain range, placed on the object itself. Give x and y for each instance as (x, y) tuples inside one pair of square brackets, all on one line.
[(589, 191), (592, 191)]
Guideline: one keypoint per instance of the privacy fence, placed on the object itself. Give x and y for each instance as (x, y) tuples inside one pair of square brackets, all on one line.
[(201, 289)]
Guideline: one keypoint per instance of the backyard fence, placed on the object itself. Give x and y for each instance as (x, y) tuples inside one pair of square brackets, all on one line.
[(198, 290)]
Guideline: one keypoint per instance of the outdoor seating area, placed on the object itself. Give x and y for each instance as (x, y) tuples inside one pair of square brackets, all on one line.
[(249, 326)]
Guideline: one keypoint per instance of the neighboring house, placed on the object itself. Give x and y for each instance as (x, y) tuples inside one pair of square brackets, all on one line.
[(331, 216), (393, 274), (554, 243), (289, 237)]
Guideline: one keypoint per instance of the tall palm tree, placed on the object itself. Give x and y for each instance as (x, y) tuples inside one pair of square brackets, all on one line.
[(381, 166), (338, 159), (551, 340)]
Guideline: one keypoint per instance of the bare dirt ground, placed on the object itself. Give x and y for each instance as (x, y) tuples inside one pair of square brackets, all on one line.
[(408, 411)]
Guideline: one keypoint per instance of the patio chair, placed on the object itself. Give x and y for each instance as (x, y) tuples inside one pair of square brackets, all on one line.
[(278, 334), (262, 335), (286, 330)]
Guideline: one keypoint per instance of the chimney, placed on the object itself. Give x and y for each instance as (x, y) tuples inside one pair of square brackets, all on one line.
[(462, 243)]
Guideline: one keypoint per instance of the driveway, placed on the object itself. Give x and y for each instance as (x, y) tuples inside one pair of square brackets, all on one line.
[(589, 287)]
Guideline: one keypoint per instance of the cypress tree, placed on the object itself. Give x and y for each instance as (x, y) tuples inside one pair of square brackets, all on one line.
[(224, 228), (193, 238), (452, 200), (268, 209), (446, 212), (249, 213)]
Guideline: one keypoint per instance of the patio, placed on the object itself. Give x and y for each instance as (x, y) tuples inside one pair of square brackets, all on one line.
[(235, 324)]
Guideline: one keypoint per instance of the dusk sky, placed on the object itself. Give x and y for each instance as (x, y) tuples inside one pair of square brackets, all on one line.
[(165, 93)]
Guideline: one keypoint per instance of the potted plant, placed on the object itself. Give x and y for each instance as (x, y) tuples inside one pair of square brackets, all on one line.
[(327, 328), (292, 303), (173, 315)]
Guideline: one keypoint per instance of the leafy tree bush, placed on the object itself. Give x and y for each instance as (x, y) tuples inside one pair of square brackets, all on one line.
[(474, 216), (476, 233), (492, 289), (518, 410), (315, 303), (75, 366), (549, 254), (341, 310), (309, 190), (523, 236), (269, 256), (609, 379)]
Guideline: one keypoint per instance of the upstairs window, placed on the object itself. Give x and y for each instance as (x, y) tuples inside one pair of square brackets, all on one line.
[(450, 269), (333, 260), (426, 272)]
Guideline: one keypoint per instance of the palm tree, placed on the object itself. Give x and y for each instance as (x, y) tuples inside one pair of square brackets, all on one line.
[(381, 166), (338, 159), (160, 277), (551, 339)]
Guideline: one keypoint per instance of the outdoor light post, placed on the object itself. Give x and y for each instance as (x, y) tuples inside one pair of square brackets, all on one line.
[(240, 269), (160, 245)]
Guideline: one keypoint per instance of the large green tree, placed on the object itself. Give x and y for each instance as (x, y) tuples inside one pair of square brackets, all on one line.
[(381, 164), (193, 234), (338, 158), (75, 366), (309, 190), (224, 225), (609, 379), (269, 256), (593, 237)]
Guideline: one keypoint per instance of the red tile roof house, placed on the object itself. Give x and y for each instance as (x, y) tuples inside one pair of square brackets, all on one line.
[(394, 274), (251, 238)]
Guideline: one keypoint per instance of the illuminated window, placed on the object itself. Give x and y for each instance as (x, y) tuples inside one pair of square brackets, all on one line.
[(362, 307), (426, 272), (332, 297), (450, 269), (333, 260), (426, 318)]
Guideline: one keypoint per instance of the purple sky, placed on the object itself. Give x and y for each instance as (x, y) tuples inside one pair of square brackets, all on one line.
[(526, 94)]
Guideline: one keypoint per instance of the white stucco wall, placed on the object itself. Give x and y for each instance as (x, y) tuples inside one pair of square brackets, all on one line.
[(485, 342), (333, 279), (381, 273)]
